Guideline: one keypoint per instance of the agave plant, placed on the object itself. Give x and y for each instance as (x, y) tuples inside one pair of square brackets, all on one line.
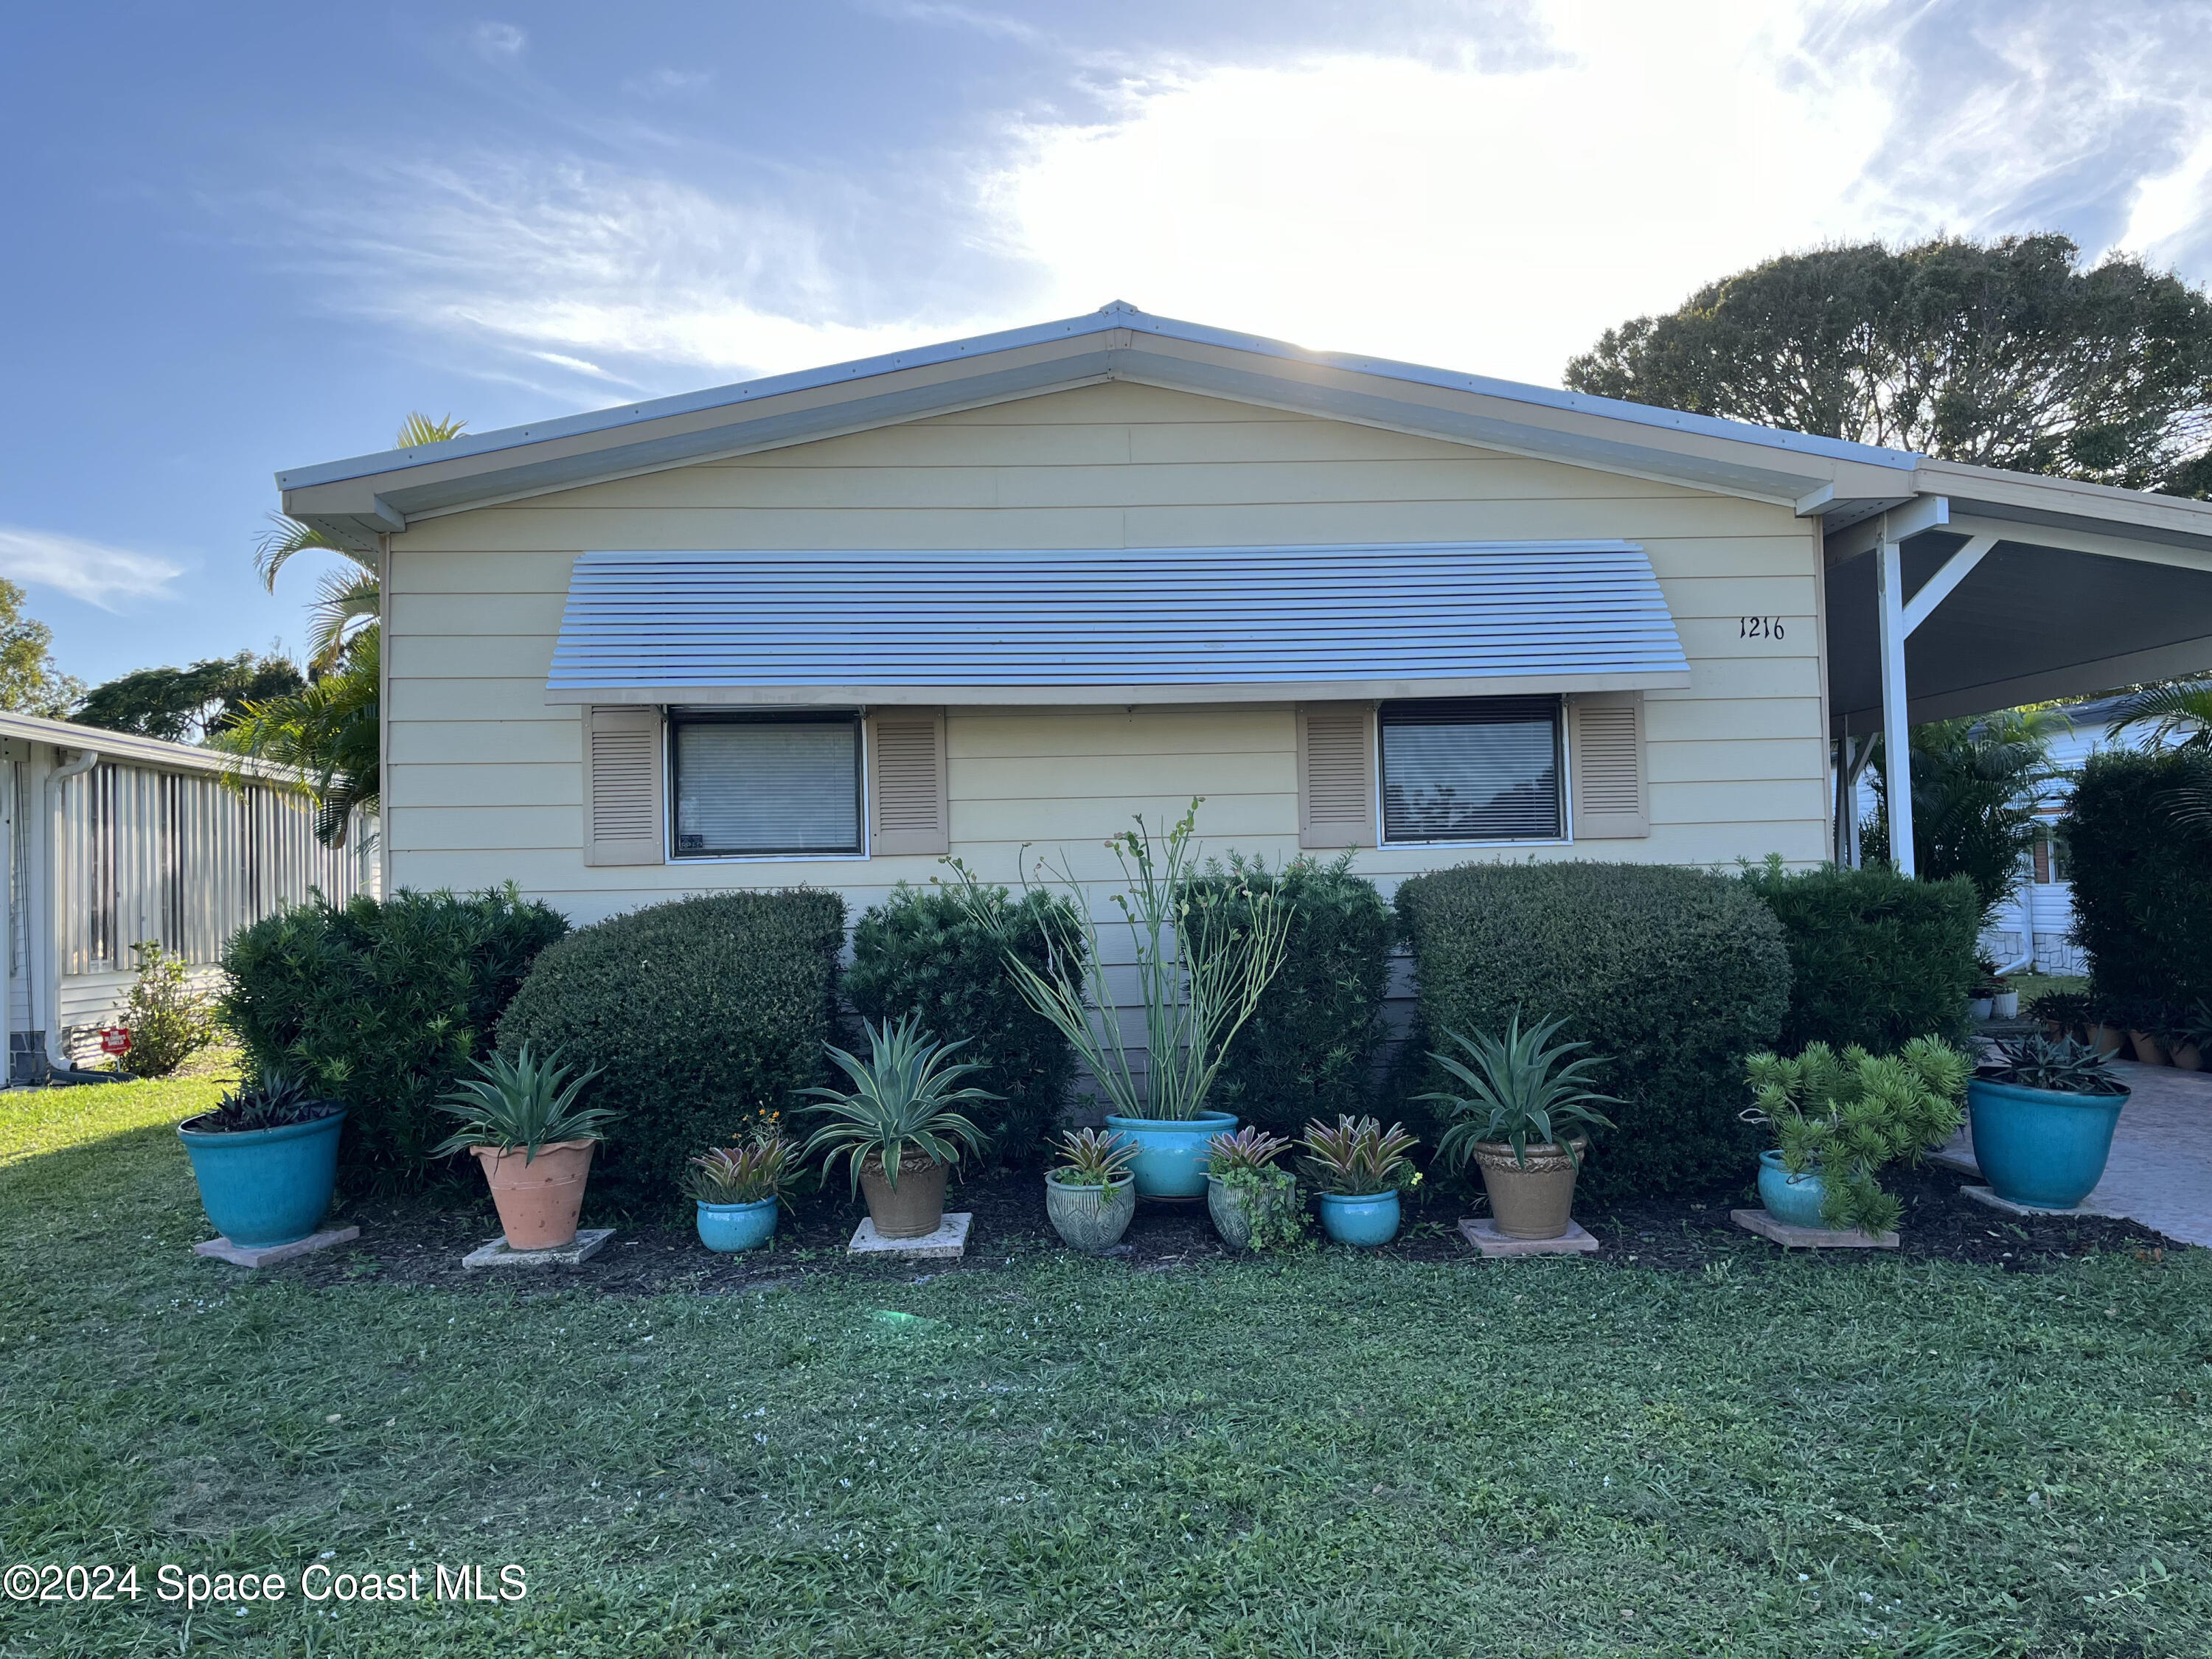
[(1091, 1157), (272, 1103), (746, 1173), (902, 1098), (1358, 1157), (2064, 1066), (525, 1103), (1521, 1088)]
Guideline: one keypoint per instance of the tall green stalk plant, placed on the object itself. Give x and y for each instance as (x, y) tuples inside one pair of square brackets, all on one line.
[(1203, 951)]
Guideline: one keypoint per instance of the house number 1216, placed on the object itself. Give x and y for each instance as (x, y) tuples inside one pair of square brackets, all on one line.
[(1759, 628)]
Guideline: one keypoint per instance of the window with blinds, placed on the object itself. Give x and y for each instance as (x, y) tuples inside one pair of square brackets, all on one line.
[(1472, 769), (759, 784)]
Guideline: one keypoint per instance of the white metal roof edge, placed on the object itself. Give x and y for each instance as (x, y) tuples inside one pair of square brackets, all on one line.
[(1116, 315), (129, 746)]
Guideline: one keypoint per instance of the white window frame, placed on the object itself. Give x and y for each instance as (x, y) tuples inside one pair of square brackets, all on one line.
[(675, 713), (1562, 725)]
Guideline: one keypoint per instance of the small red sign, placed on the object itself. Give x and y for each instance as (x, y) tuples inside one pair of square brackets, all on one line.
[(115, 1040)]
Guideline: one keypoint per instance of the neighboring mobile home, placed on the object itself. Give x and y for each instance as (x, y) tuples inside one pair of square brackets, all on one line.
[(828, 627), (114, 839)]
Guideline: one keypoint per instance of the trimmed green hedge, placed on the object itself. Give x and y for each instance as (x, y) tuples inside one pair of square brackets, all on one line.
[(1308, 1049), (381, 1004), (924, 952), (2143, 881), (701, 1014), (1875, 958), (1673, 976)]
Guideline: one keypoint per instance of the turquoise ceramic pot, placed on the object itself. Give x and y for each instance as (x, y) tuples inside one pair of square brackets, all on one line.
[(1793, 1200), (728, 1227), (1171, 1154), (1368, 1220), (2040, 1147), (262, 1188)]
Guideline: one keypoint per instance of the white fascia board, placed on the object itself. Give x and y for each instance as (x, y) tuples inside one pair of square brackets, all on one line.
[(1045, 696)]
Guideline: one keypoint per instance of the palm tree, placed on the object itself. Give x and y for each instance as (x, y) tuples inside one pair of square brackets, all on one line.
[(2181, 709), (1976, 784), (346, 601)]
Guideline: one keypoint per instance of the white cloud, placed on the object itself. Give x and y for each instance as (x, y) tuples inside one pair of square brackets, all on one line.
[(667, 82), (91, 571), (497, 40)]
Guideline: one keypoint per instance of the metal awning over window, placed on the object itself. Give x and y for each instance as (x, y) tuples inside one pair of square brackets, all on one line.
[(1115, 626)]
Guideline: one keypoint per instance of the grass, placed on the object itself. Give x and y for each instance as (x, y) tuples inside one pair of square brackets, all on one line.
[(2031, 986), (1334, 1454)]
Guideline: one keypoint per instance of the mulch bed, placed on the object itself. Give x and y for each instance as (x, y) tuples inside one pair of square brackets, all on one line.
[(421, 1243)]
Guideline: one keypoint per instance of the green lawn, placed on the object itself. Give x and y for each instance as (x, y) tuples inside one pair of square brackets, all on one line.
[(1330, 1455)]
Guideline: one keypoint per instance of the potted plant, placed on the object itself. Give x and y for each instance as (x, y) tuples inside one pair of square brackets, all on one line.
[(1088, 1192), (1525, 1121), (1254, 1202), (1202, 951), (1358, 1167), (521, 1120), (1838, 1119), (2190, 1036), (2143, 1022), (2004, 1001), (266, 1158), (2042, 1114), (896, 1128), (2107, 1033), (2063, 1013), (738, 1190)]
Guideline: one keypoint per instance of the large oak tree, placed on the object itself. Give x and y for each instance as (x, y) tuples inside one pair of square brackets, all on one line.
[(2010, 354)]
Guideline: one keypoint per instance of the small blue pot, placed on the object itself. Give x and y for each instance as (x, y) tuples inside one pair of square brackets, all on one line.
[(1793, 1200), (1171, 1154), (1367, 1220), (262, 1188), (2039, 1148), (727, 1227)]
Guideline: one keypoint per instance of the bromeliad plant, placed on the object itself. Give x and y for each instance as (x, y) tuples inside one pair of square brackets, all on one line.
[(1090, 1158), (1254, 1199), (521, 1104), (2063, 1066), (748, 1173), (901, 1101), (1522, 1090), (1358, 1157), (1204, 951), (1846, 1115)]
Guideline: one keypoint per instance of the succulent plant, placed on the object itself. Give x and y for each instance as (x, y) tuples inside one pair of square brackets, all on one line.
[(272, 1103), (1091, 1157), (2064, 1066)]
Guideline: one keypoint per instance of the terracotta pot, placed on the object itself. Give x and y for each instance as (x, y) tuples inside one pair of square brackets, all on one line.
[(540, 1199), (912, 1209), (2107, 1039), (2147, 1049), (1533, 1200), (2189, 1057)]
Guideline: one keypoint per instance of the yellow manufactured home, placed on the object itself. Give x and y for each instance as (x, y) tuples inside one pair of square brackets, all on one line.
[(827, 627)]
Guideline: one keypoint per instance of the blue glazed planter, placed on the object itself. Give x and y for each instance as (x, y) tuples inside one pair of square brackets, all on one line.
[(1171, 1155), (1368, 1220), (1793, 1200), (266, 1187), (728, 1227), (2040, 1147)]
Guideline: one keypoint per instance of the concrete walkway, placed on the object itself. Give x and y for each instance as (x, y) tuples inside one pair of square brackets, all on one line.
[(2160, 1172)]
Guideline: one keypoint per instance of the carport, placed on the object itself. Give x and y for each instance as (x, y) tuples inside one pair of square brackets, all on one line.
[(1985, 590)]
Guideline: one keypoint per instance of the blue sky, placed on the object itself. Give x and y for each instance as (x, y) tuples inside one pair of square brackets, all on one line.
[(244, 237)]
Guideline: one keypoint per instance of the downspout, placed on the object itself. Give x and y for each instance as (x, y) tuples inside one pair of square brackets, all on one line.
[(45, 983)]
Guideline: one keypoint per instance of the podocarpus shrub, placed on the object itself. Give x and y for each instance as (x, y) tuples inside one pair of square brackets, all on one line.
[(702, 1016), (926, 953), (381, 1004), (1875, 958), (1673, 976), (2140, 840), (1309, 1050)]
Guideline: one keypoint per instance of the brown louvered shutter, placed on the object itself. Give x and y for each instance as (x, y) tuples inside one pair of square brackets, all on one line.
[(1607, 763), (622, 785), (1336, 775), (908, 810)]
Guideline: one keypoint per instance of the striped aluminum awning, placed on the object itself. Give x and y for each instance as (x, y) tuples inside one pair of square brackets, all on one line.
[(1136, 625)]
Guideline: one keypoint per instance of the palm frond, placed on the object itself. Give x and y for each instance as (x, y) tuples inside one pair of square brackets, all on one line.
[(2179, 711), (341, 604), (419, 429), (289, 536)]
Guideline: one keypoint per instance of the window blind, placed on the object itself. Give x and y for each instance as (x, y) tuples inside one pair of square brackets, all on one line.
[(1471, 768), (789, 784)]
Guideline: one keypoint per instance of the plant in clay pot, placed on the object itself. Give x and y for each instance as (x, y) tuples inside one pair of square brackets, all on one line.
[(2188, 1037), (1359, 1168), (1088, 1191), (520, 1119), (1838, 1119), (1203, 949), (898, 1128), (738, 1189), (1254, 1202), (2042, 1114), (266, 1160), (1524, 1120)]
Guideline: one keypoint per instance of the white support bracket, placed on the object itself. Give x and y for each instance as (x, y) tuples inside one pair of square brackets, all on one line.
[(1938, 588)]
